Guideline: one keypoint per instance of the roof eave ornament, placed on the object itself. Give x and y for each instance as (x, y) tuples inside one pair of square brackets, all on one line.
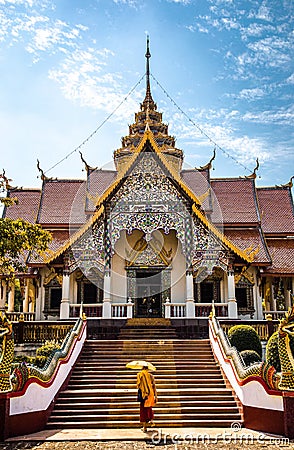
[(42, 176), (287, 185), (208, 166), (87, 167), (253, 175)]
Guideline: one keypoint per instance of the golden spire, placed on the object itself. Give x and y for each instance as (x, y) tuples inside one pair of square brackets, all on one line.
[(148, 103)]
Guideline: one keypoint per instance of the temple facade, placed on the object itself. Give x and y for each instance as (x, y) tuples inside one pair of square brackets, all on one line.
[(152, 239)]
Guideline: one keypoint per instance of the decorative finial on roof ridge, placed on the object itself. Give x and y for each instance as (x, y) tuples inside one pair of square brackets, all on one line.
[(287, 185), (87, 167), (253, 175), (42, 176), (209, 164)]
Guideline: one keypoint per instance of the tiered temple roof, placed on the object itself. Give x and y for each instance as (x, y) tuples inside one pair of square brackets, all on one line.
[(254, 218)]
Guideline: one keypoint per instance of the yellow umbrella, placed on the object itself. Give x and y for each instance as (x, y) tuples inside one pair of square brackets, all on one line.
[(139, 365)]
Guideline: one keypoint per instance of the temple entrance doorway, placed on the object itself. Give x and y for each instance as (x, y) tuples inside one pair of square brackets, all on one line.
[(148, 301)]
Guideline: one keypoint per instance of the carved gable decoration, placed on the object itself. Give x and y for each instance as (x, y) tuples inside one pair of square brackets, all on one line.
[(148, 201), (149, 253), (88, 253)]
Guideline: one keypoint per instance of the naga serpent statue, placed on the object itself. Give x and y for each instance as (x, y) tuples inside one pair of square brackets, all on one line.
[(6, 355), (286, 329)]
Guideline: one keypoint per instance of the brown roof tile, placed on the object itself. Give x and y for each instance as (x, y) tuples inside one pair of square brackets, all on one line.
[(251, 238), (276, 210), (237, 200), (282, 253), (58, 239), (62, 202), (198, 182), (97, 183), (27, 207)]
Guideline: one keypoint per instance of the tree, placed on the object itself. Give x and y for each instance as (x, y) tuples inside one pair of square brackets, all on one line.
[(18, 237)]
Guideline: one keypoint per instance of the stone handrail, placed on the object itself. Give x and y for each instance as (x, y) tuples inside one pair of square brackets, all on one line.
[(263, 328), (204, 309), (38, 332)]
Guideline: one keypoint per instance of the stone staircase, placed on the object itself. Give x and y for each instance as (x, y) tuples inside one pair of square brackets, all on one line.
[(102, 393)]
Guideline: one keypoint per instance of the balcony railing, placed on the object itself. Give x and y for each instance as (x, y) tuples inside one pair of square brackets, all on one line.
[(91, 310), (40, 332), (276, 315), (177, 310), (19, 316), (204, 309), (263, 328), (119, 310)]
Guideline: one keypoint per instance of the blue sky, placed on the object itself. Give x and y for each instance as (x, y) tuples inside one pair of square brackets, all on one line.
[(67, 64)]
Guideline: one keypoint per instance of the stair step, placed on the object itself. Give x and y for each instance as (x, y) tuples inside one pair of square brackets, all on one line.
[(198, 423), (102, 392)]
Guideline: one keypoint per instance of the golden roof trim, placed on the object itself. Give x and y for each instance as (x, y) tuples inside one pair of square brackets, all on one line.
[(76, 235), (220, 235), (148, 135)]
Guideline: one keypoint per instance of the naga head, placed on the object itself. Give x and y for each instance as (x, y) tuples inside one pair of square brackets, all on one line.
[(287, 323)]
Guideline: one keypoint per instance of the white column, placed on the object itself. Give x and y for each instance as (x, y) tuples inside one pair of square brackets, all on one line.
[(64, 307), (11, 298), (232, 304), (190, 305), (3, 295), (287, 294), (106, 309), (273, 299), (25, 303)]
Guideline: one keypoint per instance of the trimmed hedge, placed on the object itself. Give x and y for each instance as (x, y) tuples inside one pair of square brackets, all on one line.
[(244, 337), (250, 357), (42, 355)]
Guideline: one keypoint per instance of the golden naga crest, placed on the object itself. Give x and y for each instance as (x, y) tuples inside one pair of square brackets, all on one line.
[(287, 323)]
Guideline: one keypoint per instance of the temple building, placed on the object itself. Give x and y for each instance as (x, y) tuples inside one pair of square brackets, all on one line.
[(153, 239)]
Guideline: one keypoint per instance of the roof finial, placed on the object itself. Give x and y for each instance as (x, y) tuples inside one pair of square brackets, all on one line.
[(148, 103), (148, 56)]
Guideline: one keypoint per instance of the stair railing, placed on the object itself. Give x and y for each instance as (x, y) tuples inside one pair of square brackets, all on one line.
[(28, 406)]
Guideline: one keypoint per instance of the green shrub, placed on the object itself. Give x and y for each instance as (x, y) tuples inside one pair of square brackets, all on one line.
[(43, 353), (272, 351), (244, 337), (250, 357), (40, 361), (47, 349), (23, 358)]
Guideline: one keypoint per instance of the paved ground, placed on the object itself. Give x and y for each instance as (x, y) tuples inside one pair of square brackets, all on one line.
[(135, 439)]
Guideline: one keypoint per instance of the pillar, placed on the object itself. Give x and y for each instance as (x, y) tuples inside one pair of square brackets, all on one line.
[(232, 304), (287, 293), (11, 298), (106, 309), (64, 306), (3, 292), (25, 304), (190, 305)]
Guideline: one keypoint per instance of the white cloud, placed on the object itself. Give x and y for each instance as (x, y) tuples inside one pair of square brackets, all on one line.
[(132, 3), (283, 116), (290, 79), (251, 94), (263, 13), (82, 79), (184, 2)]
